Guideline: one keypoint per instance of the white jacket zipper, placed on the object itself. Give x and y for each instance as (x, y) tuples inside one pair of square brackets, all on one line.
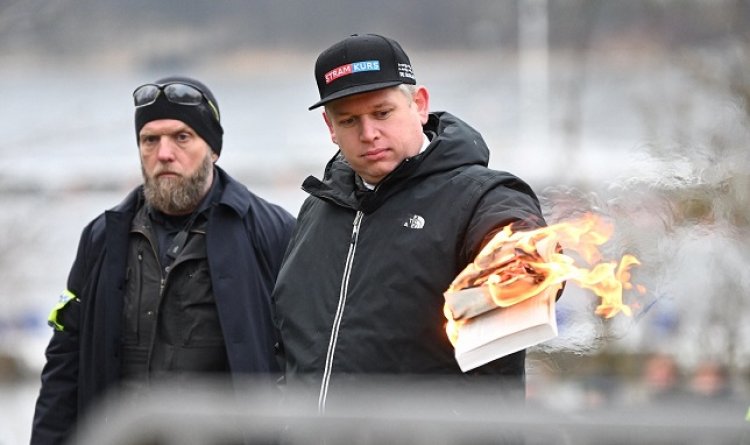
[(339, 314)]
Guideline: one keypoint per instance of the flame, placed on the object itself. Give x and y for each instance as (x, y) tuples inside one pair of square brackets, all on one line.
[(519, 265)]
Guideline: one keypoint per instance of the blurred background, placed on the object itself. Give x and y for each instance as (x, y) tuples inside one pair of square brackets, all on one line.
[(636, 110)]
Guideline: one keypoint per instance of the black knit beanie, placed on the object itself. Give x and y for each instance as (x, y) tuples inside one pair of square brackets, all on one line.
[(200, 118)]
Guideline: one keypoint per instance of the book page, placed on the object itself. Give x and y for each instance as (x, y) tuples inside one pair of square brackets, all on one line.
[(502, 331)]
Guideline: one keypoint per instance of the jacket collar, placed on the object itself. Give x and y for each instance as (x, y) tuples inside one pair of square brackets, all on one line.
[(234, 195)]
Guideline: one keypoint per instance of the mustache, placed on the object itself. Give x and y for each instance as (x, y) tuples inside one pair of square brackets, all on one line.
[(163, 171)]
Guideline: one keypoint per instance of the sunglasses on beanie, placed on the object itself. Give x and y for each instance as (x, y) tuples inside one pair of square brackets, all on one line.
[(177, 93)]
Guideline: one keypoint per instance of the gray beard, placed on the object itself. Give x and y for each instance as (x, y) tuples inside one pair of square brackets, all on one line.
[(177, 196)]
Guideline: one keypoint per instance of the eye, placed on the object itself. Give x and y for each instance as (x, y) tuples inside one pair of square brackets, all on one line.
[(382, 114), (183, 136), (348, 122), (149, 140)]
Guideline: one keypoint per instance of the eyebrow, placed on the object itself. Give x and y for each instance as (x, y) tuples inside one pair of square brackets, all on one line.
[(184, 128)]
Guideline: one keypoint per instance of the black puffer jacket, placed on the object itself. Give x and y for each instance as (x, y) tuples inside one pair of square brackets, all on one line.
[(360, 289)]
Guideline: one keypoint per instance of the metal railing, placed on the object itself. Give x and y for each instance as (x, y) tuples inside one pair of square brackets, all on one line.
[(397, 412)]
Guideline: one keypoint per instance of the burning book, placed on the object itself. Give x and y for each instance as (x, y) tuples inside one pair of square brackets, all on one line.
[(493, 332), (504, 301)]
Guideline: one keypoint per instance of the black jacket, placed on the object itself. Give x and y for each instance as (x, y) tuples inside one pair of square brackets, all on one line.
[(360, 289), (245, 241)]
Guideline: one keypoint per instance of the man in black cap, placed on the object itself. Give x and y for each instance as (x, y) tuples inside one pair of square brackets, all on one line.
[(404, 205), (173, 282)]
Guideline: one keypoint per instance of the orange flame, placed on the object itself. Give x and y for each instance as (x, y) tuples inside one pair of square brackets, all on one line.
[(518, 265)]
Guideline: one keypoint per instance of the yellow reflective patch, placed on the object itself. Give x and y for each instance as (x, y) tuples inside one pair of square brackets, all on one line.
[(53, 319)]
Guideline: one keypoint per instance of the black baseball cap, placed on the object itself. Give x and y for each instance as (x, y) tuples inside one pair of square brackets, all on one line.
[(358, 64)]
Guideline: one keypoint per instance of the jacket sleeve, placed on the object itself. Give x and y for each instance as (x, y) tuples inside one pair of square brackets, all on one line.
[(279, 229), (56, 408), (504, 200), (273, 231)]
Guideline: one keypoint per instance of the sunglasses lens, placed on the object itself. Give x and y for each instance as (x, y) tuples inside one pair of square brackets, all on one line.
[(145, 95), (183, 94), (177, 93)]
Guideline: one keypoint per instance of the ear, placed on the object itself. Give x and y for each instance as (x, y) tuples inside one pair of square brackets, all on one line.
[(330, 128), (214, 156), (422, 101)]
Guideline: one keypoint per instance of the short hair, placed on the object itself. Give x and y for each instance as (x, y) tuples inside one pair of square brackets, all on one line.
[(408, 89)]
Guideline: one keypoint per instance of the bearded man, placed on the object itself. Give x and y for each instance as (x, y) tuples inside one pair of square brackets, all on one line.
[(175, 281)]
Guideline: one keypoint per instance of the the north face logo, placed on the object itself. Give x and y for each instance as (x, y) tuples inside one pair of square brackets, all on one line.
[(414, 222)]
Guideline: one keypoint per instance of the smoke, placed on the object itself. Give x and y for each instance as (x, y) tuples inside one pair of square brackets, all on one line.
[(684, 211)]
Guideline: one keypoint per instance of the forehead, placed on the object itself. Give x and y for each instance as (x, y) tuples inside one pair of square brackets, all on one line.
[(159, 126), (364, 101)]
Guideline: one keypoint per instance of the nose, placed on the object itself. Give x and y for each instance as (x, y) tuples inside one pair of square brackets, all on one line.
[(165, 151), (368, 129)]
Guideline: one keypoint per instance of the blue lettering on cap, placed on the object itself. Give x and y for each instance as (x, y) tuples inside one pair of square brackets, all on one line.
[(366, 65)]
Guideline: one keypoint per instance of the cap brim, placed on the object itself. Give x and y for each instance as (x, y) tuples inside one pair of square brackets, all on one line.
[(355, 90)]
